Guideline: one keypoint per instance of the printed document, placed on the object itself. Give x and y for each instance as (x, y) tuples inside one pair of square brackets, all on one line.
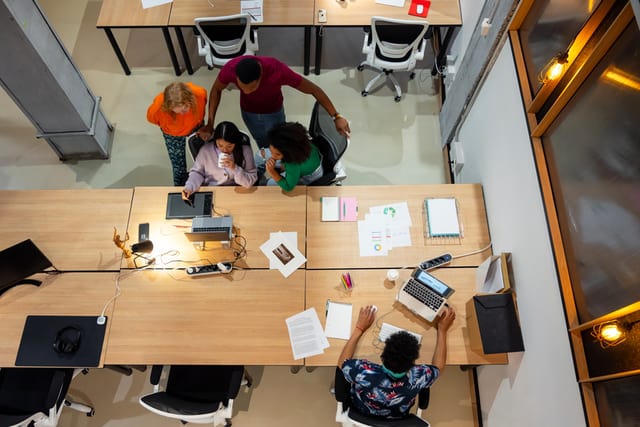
[(338, 324), (306, 335), (254, 9), (146, 4)]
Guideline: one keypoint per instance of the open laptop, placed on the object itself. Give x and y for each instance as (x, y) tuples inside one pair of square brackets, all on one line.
[(211, 229), (19, 262), (424, 294)]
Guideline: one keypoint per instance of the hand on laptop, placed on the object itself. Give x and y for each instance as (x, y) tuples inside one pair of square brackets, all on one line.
[(446, 318)]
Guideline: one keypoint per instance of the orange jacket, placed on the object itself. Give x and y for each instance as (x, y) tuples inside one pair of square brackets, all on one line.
[(183, 124)]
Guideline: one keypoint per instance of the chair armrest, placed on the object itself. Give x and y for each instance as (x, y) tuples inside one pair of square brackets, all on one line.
[(203, 47), (156, 371), (423, 398), (421, 48), (235, 381), (342, 388)]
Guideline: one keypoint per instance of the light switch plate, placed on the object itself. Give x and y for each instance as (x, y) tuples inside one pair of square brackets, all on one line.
[(322, 15)]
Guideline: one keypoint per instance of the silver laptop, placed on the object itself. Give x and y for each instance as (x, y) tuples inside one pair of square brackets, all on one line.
[(211, 229), (424, 294)]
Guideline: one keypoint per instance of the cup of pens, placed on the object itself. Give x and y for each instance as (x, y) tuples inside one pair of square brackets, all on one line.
[(347, 283)]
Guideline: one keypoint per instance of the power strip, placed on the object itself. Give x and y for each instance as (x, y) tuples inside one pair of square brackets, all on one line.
[(436, 262), (205, 270)]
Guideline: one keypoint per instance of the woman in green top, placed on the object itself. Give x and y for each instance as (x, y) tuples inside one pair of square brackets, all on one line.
[(301, 161)]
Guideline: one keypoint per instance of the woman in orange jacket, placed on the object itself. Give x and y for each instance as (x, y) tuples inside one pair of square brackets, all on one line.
[(179, 112)]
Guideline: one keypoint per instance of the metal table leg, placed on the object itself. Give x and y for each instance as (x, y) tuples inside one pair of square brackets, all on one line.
[(172, 51), (319, 32), (183, 48), (118, 52), (307, 49)]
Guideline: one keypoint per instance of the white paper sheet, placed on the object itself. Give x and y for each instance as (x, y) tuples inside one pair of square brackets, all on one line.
[(338, 323), (396, 213), (396, 3), (146, 4), (254, 9), (372, 237), (283, 254), (306, 335)]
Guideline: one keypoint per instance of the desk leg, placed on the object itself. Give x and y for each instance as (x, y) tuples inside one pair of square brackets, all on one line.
[(307, 49), (172, 51), (118, 52), (319, 32), (183, 48)]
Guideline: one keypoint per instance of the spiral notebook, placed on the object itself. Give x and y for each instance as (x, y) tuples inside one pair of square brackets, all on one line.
[(442, 217)]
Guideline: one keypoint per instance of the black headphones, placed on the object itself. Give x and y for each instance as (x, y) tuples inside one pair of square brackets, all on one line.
[(67, 340)]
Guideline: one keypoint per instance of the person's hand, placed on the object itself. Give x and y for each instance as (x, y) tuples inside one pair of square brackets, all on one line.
[(186, 194), (445, 320), (205, 132), (366, 317), (228, 162), (342, 126), (270, 166)]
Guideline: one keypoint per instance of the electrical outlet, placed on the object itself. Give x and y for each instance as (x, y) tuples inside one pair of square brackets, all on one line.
[(322, 15), (486, 26)]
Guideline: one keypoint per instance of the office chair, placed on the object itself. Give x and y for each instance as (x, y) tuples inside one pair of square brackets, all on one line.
[(225, 37), (36, 396), (393, 45), (347, 416), (195, 143), (196, 394), (331, 145)]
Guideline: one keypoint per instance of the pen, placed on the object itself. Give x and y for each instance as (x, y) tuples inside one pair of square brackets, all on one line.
[(252, 17), (349, 281), (344, 282)]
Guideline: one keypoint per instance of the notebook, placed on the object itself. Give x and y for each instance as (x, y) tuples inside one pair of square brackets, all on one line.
[(424, 294), (178, 208), (442, 217)]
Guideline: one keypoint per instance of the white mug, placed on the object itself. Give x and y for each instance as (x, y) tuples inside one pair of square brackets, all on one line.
[(393, 275)]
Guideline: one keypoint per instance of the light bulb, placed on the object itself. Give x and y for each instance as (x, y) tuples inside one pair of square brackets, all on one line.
[(555, 71), (610, 332)]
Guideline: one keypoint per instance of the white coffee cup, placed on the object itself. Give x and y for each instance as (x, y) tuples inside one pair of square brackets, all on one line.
[(222, 157), (393, 275)]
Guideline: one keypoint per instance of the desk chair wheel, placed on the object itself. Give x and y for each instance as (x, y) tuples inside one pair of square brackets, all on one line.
[(397, 98), (412, 75), (364, 93), (360, 67)]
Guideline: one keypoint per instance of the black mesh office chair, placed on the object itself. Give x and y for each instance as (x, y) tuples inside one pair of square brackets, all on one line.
[(349, 417), (225, 37), (331, 145), (196, 394), (36, 396), (393, 45)]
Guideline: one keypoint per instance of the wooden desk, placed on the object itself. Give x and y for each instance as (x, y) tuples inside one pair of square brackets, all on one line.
[(371, 287), (167, 318), (73, 228), (276, 13), (69, 294), (335, 244), (359, 12), (256, 212), (130, 14)]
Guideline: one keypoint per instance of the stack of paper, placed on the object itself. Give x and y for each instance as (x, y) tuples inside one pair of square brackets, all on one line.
[(384, 227), (338, 320), (305, 334)]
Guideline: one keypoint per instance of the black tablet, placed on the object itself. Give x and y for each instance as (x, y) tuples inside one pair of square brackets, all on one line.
[(202, 205)]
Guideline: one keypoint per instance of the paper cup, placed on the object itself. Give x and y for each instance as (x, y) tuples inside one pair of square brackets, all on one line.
[(222, 157), (393, 275)]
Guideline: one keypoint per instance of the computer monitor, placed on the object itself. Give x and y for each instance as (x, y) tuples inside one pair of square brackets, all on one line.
[(19, 262)]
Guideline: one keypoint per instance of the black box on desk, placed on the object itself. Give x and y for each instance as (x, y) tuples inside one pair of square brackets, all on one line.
[(492, 321)]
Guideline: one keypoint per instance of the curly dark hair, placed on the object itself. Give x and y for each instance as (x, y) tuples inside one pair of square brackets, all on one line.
[(230, 133), (292, 140), (400, 352), (248, 70)]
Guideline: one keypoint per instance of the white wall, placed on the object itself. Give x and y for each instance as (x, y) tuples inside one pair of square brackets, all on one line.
[(538, 387)]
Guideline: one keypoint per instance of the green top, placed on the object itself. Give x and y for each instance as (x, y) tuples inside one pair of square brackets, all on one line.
[(297, 170)]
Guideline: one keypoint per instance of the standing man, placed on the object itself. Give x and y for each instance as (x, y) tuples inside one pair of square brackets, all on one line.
[(389, 390), (260, 80)]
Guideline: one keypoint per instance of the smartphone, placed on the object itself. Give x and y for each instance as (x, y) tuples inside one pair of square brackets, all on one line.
[(143, 232)]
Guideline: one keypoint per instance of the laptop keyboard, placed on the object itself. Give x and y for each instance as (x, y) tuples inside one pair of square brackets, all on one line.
[(209, 229), (387, 330), (423, 294)]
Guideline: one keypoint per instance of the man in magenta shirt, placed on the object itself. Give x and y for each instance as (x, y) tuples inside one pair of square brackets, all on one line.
[(260, 80)]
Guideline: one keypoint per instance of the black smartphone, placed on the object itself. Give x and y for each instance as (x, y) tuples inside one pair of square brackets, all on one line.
[(143, 232)]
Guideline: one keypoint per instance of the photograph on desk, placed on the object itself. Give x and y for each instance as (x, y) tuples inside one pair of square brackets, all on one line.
[(282, 253)]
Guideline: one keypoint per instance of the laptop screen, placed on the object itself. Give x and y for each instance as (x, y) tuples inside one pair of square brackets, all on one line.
[(433, 283), (178, 208), (19, 262)]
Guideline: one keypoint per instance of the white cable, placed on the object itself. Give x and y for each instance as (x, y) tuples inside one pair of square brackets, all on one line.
[(473, 253)]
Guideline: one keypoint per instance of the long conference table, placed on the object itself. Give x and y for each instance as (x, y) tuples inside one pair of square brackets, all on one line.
[(161, 315), (276, 13)]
